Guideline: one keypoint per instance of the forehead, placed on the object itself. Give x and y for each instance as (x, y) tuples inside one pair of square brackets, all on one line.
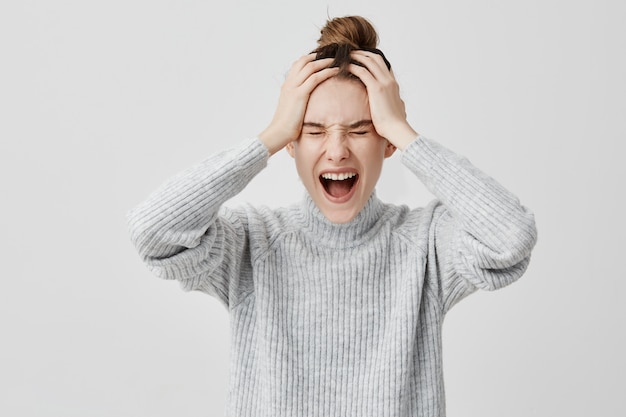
[(338, 101)]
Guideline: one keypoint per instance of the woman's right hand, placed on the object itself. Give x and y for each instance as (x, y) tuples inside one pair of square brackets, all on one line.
[(305, 74)]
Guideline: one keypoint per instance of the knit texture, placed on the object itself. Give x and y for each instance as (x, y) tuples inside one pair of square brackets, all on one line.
[(335, 320)]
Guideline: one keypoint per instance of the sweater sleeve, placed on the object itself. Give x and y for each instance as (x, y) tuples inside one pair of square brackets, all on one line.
[(480, 237), (182, 233)]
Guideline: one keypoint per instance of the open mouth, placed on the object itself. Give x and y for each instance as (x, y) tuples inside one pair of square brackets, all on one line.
[(339, 186)]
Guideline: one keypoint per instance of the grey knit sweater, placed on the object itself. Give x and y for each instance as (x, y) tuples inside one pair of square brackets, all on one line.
[(335, 320)]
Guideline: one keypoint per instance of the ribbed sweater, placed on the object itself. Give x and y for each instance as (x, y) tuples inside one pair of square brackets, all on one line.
[(335, 320)]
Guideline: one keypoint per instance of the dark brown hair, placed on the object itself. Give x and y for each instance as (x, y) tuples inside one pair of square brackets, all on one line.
[(342, 35)]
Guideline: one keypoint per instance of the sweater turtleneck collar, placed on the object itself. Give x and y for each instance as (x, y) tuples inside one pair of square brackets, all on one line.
[(342, 235)]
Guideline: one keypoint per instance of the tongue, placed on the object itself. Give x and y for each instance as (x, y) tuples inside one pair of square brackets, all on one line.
[(339, 188)]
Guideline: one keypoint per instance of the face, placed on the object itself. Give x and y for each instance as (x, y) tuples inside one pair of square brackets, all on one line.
[(339, 155)]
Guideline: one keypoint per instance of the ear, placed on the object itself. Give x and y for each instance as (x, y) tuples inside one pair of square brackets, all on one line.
[(290, 147), (389, 149)]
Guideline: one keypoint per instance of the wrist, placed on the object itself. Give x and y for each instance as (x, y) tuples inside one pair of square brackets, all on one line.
[(268, 138), (402, 135)]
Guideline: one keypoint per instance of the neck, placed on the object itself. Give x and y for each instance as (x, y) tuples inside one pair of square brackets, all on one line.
[(341, 235)]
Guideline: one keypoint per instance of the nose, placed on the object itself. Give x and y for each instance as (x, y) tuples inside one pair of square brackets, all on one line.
[(336, 147)]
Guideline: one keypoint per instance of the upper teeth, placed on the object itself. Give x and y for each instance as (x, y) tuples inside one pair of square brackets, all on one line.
[(338, 177)]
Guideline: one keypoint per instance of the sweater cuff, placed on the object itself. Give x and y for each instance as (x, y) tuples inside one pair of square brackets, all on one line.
[(415, 155), (251, 156)]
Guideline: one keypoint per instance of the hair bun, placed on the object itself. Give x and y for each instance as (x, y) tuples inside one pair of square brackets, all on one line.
[(355, 31), (341, 36)]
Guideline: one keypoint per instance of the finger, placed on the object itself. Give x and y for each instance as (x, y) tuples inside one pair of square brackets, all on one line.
[(367, 55), (311, 68), (296, 68), (363, 74), (374, 63), (302, 61), (317, 78), (304, 67)]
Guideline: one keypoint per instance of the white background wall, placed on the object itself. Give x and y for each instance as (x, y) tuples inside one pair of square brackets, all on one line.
[(100, 101)]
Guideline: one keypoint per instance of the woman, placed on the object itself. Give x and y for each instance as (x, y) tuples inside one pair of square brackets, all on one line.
[(336, 303)]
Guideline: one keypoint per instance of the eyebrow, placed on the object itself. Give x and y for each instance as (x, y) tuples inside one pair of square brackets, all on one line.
[(355, 125)]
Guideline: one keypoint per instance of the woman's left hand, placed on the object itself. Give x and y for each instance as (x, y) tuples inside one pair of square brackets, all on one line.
[(386, 106)]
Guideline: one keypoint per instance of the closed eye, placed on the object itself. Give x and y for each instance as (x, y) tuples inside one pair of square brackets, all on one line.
[(360, 133)]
